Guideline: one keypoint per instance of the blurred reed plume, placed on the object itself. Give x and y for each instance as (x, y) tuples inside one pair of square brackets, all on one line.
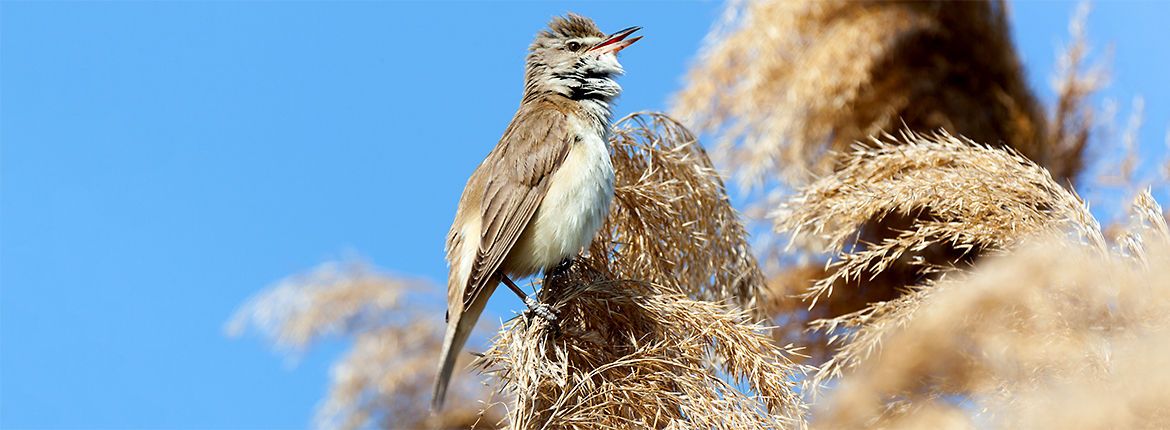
[(1054, 317), (1057, 335), (788, 84), (386, 378), (672, 223), (791, 87), (957, 194)]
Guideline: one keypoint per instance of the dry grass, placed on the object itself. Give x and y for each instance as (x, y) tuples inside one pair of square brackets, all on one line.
[(1054, 336), (385, 379), (1013, 341), (962, 199), (957, 194), (790, 88), (629, 354), (672, 223), (898, 212), (1071, 120), (787, 84)]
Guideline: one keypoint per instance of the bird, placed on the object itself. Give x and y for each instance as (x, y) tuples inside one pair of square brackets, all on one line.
[(544, 191)]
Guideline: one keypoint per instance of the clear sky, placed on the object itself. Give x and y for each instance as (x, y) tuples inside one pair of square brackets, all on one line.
[(162, 162)]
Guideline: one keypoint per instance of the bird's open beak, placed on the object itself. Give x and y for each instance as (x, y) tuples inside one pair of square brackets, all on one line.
[(617, 41)]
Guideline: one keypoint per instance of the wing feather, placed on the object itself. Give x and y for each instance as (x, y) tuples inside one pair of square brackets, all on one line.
[(536, 144)]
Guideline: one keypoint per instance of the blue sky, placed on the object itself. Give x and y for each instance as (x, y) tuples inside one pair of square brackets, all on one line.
[(162, 162)]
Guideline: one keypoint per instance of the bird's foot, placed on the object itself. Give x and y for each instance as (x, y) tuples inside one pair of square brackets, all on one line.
[(540, 309)]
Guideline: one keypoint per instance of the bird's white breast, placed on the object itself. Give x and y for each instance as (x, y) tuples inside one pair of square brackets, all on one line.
[(577, 202)]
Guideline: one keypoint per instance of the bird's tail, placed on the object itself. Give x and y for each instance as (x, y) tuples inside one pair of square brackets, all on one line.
[(459, 327)]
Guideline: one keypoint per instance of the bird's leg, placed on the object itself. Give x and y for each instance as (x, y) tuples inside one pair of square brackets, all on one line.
[(540, 309), (512, 285)]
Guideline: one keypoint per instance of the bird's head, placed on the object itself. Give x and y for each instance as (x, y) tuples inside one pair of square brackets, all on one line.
[(575, 59)]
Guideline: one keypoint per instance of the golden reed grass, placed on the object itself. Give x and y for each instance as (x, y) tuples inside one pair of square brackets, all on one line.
[(789, 88), (386, 377), (672, 223), (785, 85), (1058, 334), (963, 196)]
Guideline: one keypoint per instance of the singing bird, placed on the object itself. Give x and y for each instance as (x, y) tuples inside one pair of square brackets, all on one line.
[(541, 195)]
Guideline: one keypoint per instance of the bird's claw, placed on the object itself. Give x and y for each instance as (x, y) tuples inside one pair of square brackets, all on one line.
[(540, 309)]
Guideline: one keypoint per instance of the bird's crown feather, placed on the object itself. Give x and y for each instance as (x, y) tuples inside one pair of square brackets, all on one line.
[(571, 25)]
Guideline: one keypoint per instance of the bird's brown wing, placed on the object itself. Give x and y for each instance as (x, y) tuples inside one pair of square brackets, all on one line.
[(532, 149)]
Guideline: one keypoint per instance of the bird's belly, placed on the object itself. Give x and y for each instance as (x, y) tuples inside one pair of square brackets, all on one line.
[(577, 202)]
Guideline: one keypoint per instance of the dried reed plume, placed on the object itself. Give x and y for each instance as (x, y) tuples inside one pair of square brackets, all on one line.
[(956, 194), (1071, 119), (1066, 320), (959, 193), (672, 223), (386, 377), (788, 84), (1054, 336), (639, 344), (627, 354), (790, 87)]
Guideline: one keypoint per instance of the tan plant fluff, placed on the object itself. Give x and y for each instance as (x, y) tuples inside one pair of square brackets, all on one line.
[(628, 354), (962, 199), (386, 377), (789, 87), (1146, 223), (672, 223), (1071, 118), (788, 84), (647, 336), (1054, 336), (1064, 321), (961, 194)]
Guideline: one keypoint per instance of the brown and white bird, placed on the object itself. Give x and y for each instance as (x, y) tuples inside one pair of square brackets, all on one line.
[(541, 195)]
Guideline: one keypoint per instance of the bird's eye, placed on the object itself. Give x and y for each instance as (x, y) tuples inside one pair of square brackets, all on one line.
[(573, 46)]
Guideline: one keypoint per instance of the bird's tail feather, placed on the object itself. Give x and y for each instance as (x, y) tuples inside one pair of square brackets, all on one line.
[(459, 328)]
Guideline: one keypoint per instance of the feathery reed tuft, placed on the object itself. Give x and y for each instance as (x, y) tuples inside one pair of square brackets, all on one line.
[(672, 223), (962, 200), (1071, 119), (791, 87), (959, 193), (386, 377), (1055, 335), (629, 354), (789, 84)]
